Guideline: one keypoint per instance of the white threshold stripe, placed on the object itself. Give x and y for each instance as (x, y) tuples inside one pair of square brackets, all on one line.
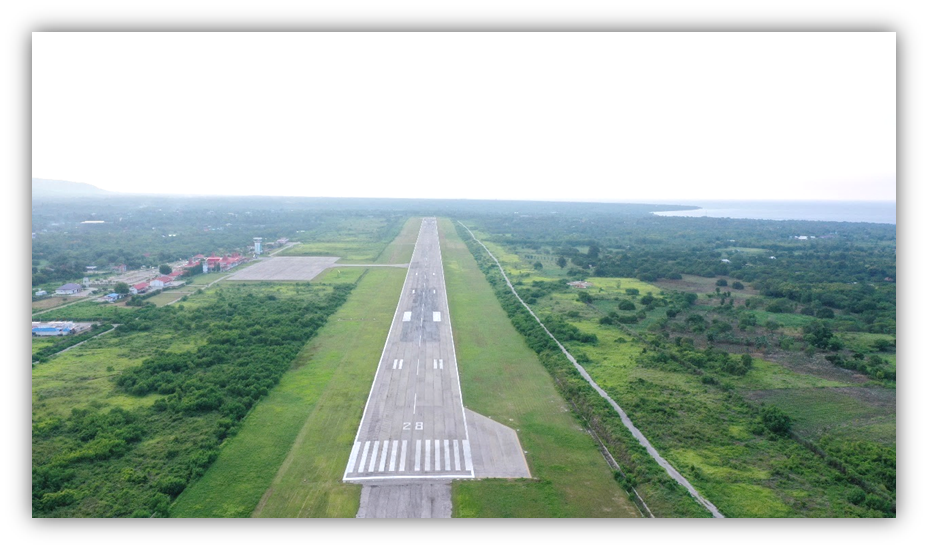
[(383, 457), (434, 364), (403, 457), (401, 364), (441, 364), (394, 363), (370, 467), (354, 455), (428, 455), (363, 457), (447, 460), (393, 456), (468, 463)]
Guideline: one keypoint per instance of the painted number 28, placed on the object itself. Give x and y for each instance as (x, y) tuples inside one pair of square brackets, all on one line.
[(408, 425)]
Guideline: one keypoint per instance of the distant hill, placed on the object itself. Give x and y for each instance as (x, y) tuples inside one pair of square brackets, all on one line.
[(56, 188)]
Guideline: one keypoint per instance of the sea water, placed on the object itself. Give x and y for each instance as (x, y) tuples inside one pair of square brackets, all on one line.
[(829, 211)]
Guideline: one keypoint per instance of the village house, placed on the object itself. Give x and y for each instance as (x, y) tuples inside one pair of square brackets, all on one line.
[(70, 288)]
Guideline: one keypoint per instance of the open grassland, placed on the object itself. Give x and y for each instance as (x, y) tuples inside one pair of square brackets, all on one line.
[(354, 239), (40, 343), (819, 410), (292, 449), (503, 379), (399, 251), (346, 251), (52, 301), (207, 278), (339, 275), (706, 423), (166, 298), (84, 374)]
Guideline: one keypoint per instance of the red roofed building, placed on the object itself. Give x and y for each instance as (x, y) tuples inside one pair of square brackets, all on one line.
[(140, 288)]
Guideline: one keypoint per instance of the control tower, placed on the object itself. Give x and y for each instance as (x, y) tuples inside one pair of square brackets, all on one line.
[(258, 245)]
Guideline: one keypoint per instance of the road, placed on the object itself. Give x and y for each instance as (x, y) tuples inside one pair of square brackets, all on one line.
[(413, 426)]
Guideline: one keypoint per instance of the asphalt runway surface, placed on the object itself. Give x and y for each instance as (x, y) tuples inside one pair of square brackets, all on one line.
[(413, 426)]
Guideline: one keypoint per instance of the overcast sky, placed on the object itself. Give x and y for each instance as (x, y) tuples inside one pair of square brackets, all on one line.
[(578, 116)]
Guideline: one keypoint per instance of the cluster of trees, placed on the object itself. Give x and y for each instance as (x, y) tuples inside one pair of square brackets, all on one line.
[(849, 272)]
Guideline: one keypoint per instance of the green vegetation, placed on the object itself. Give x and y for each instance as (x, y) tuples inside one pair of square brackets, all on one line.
[(125, 439), (714, 377), (768, 379)]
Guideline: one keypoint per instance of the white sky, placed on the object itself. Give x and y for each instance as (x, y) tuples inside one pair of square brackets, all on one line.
[(602, 116)]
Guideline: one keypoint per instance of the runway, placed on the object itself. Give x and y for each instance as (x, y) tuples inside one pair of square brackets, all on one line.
[(413, 426)]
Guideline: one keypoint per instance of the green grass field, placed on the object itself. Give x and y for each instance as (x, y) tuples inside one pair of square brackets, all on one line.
[(503, 379)]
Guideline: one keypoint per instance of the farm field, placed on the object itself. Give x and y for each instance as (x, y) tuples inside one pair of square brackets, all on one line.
[(502, 378), (705, 426)]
